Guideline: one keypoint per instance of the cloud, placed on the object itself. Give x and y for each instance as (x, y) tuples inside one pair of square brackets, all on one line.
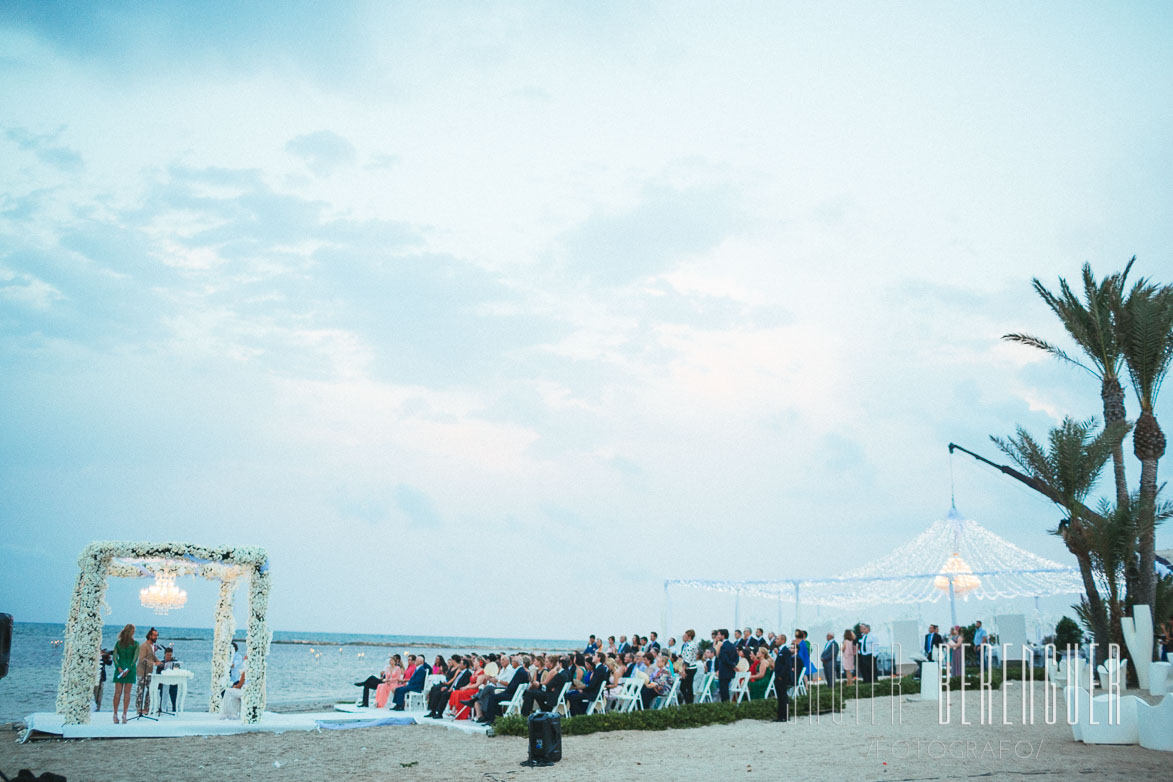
[(666, 225), (323, 151), (44, 148)]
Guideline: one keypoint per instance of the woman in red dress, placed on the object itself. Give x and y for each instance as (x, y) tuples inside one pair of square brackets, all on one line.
[(474, 686)]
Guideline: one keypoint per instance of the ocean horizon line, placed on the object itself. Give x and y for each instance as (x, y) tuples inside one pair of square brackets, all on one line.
[(337, 638)]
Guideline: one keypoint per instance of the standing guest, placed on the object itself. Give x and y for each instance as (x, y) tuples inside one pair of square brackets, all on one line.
[(980, 634), (849, 651), (829, 659), (145, 666), (866, 656), (727, 658), (738, 641), (932, 640), (803, 650), (688, 657), (671, 648), (783, 677), (125, 669), (104, 659), (956, 646), (652, 645)]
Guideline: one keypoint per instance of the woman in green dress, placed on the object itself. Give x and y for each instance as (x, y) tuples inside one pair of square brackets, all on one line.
[(125, 654), (761, 669)]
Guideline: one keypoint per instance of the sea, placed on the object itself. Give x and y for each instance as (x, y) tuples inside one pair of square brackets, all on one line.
[(306, 670)]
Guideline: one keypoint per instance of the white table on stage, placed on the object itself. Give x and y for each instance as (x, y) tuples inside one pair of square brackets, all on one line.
[(161, 683)]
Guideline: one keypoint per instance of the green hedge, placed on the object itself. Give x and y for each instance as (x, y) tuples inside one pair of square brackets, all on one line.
[(820, 700)]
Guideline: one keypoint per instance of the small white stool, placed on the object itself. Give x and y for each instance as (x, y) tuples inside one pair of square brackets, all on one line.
[(1160, 678)]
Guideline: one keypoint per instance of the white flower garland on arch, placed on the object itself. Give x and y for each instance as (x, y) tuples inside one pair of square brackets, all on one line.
[(83, 628)]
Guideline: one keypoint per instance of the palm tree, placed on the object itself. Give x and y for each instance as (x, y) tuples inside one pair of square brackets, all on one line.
[(1091, 323), (1069, 467), (1144, 323)]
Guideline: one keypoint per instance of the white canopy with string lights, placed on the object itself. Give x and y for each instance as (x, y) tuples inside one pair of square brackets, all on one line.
[(954, 557)]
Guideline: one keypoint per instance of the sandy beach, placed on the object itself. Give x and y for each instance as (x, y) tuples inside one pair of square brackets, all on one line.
[(915, 748)]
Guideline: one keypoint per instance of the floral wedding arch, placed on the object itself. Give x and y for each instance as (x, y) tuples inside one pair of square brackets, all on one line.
[(83, 629)]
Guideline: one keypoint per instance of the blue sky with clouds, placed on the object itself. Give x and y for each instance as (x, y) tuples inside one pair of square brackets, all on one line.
[(583, 297)]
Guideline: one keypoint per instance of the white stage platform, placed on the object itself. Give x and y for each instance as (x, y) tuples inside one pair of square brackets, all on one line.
[(203, 724), (371, 713)]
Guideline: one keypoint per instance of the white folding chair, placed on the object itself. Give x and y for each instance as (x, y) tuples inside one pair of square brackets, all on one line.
[(418, 701), (561, 702), (771, 691), (800, 687), (599, 704), (629, 697), (739, 687), (704, 692), (513, 705)]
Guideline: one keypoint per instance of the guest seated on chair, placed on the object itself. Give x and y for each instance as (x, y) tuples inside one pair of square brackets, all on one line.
[(375, 682), (490, 704), (460, 700), (659, 679), (438, 695), (760, 669), (414, 684), (545, 695), (578, 700)]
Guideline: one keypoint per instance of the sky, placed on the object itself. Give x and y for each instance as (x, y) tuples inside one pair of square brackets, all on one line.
[(486, 319)]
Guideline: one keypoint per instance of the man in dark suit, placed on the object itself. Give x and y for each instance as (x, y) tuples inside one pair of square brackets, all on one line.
[(726, 664), (624, 647), (492, 700), (415, 684), (438, 695), (866, 655), (783, 677), (545, 695), (578, 701), (653, 645), (932, 640), (829, 658)]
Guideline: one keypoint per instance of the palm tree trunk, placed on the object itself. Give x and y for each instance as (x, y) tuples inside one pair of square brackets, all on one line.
[(1149, 446), (1100, 626), (1112, 396)]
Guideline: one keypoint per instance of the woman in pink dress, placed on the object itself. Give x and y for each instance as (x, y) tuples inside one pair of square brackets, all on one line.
[(848, 651), (392, 678)]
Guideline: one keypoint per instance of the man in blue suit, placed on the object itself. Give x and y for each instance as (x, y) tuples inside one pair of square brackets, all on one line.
[(415, 684), (726, 664)]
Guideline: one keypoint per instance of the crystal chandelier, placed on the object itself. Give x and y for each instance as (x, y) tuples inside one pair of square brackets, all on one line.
[(163, 596), (960, 573)]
